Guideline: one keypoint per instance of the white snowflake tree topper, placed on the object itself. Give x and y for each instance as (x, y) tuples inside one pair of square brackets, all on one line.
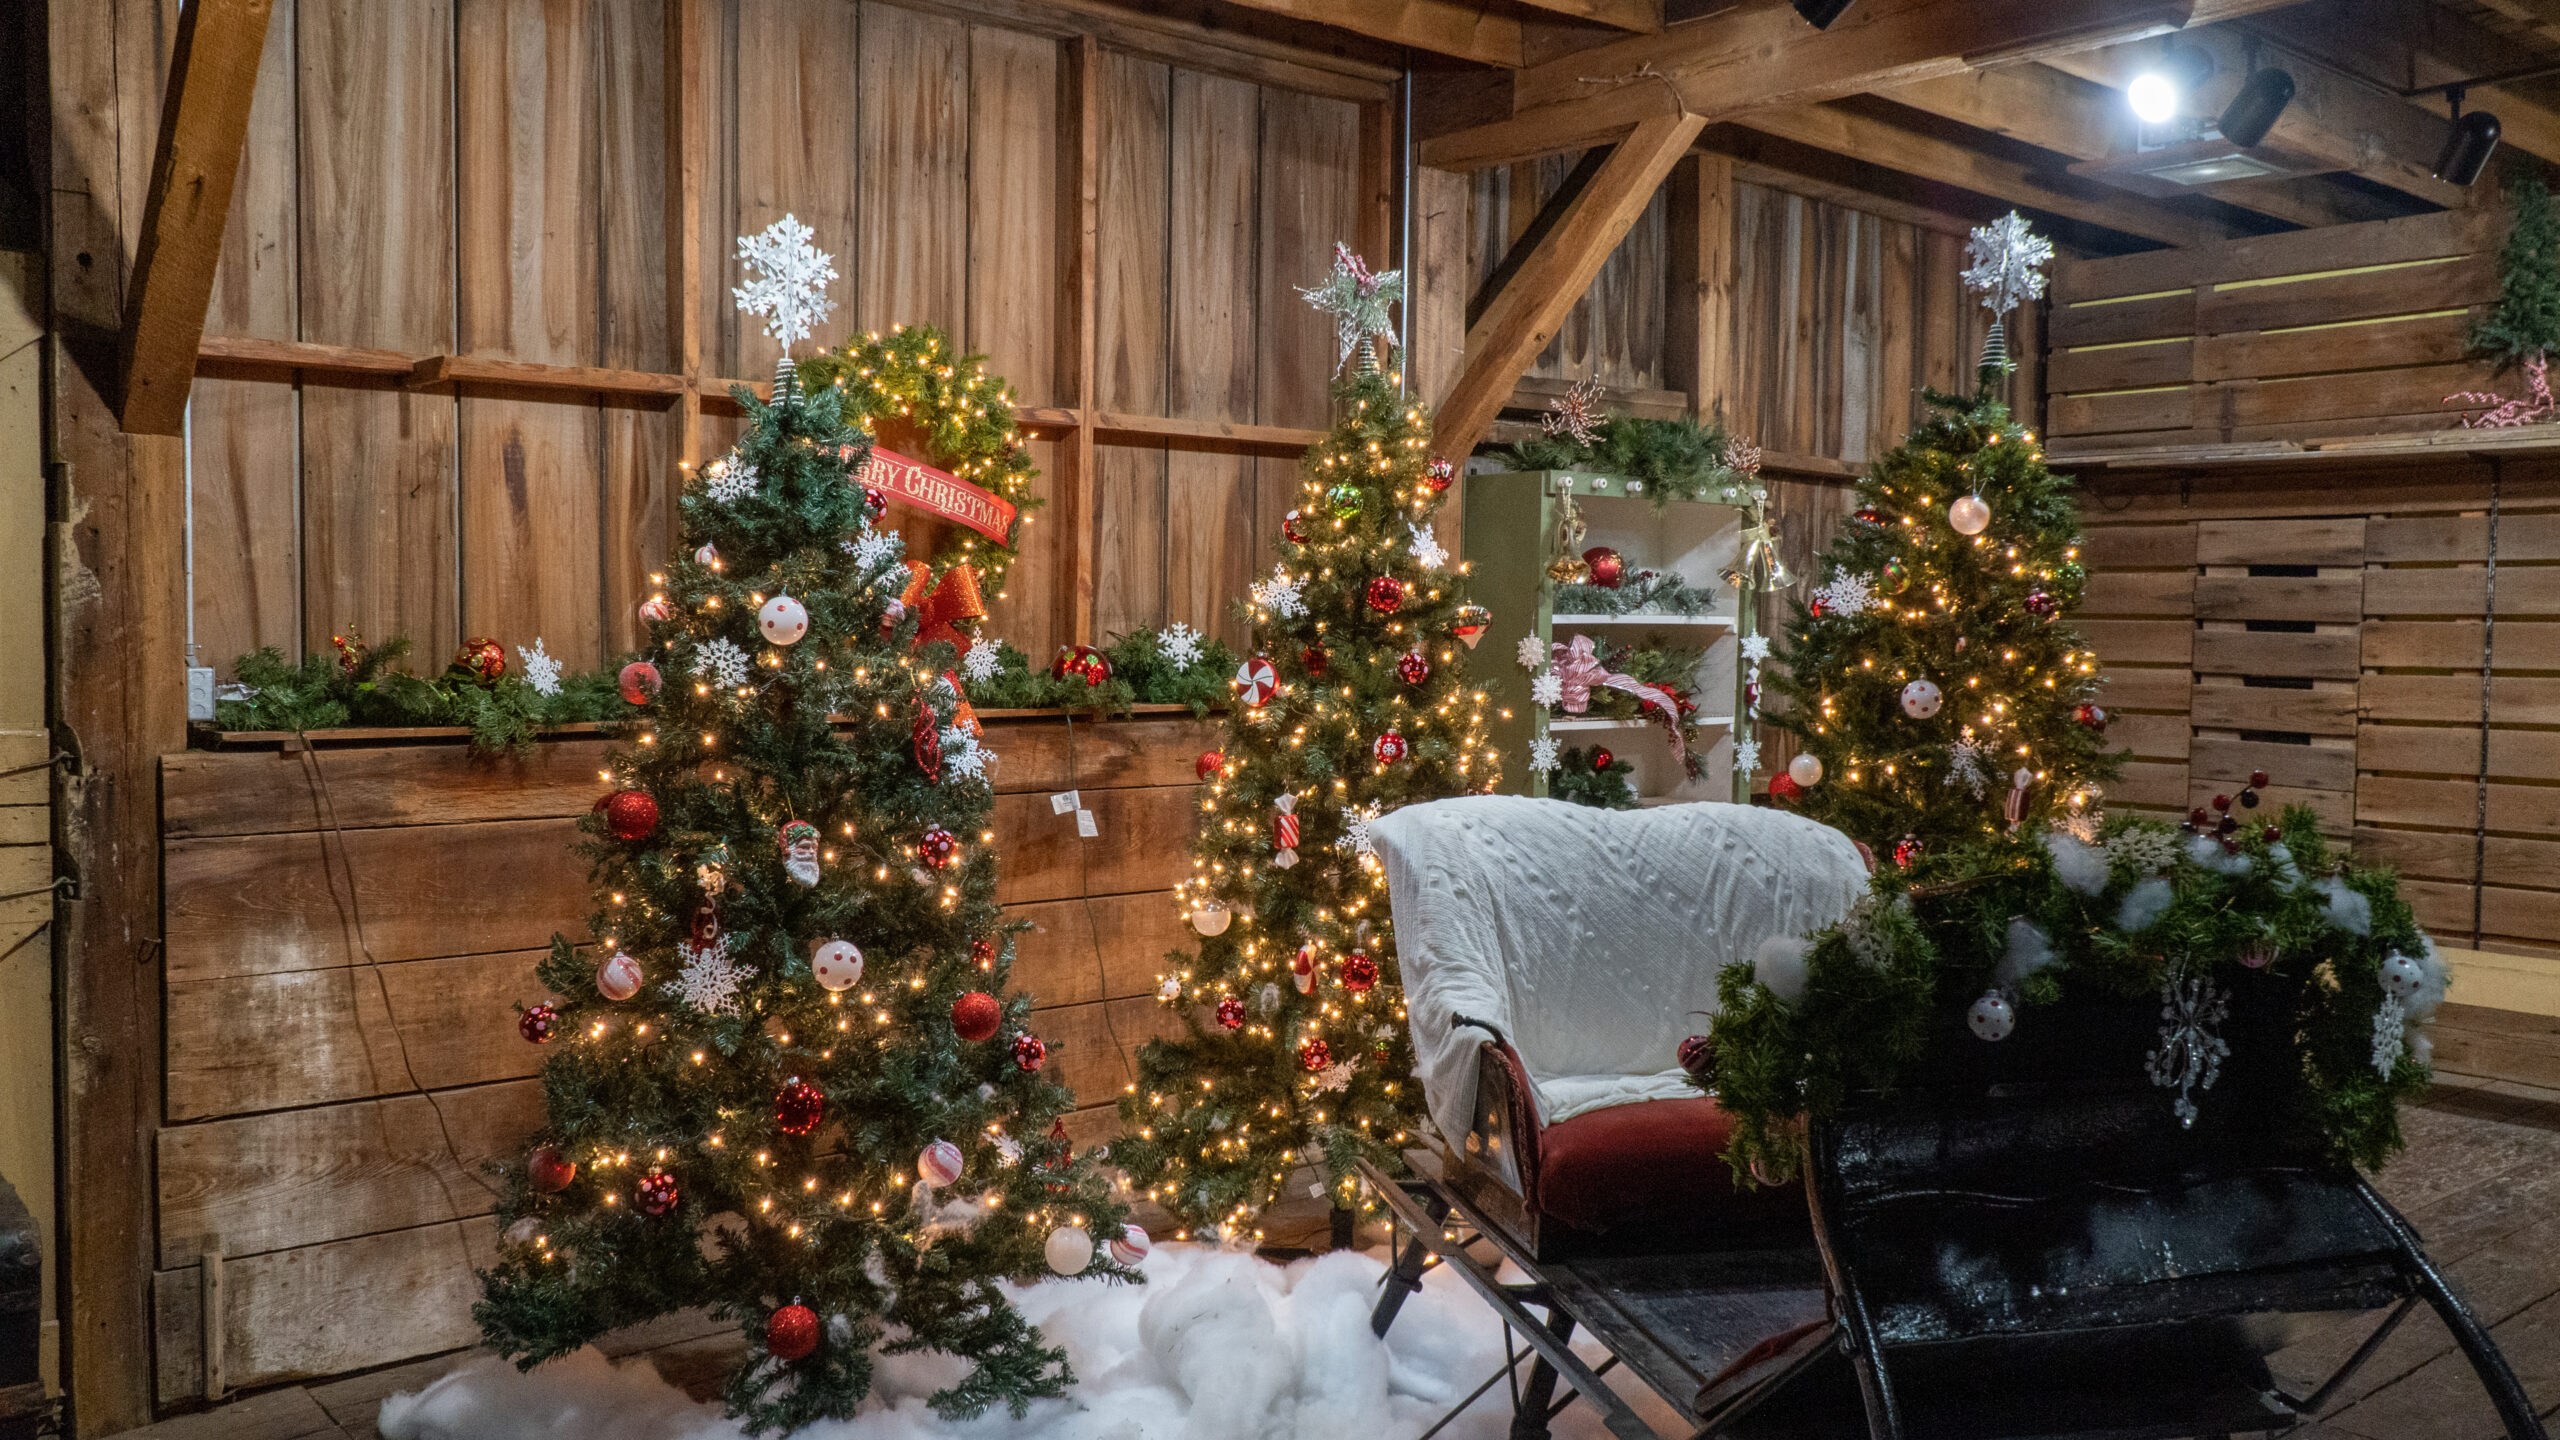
[(2007, 271), (1358, 301), (790, 290)]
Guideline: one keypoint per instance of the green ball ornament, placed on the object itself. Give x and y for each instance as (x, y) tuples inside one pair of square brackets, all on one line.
[(1344, 499), (1896, 576)]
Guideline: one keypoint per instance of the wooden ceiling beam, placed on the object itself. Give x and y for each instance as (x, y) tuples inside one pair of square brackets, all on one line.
[(1641, 16), (1520, 321), (1862, 137), (204, 123), (2413, 42), (1443, 27)]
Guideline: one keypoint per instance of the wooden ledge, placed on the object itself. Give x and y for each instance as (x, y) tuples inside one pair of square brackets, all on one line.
[(2451, 444), (213, 739)]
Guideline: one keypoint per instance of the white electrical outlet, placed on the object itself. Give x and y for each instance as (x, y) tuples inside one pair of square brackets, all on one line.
[(200, 692)]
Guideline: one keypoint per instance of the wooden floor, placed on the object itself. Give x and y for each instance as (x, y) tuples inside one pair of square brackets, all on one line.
[(2481, 1180)]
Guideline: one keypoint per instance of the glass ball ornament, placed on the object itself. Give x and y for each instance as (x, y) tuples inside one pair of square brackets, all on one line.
[(619, 977), (1359, 973), (939, 1163), (937, 846), (1867, 515), (1895, 575), (1388, 748), (1601, 759), (976, 1015), (798, 1107), (1922, 699), (1030, 1052), (837, 964), (1412, 667), (639, 682), (1068, 1250), (791, 1333), (655, 1193), (1805, 770), (1907, 852), (1386, 594), (1230, 1012), (1208, 763), (1969, 515), (1315, 660), (2090, 716), (481, 660), (549, 1171), (538, 1023), (1608, 567), (1697, 1056), (630, 815), (1438, 474), (1784, 788), (875, 503), (1314, 1055), (783, 620), (982, 953), (1471, 623), (707, 555), (1293, 528), (1131, 1245), (1211, 918), (1343, 500), (1992, 1017), (2042, 605), (2402, 977)]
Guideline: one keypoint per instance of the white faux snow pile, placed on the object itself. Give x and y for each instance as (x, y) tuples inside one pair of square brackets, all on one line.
[(1215, 1346)]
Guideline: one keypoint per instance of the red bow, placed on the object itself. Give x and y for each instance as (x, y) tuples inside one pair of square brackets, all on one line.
[(955, 598)]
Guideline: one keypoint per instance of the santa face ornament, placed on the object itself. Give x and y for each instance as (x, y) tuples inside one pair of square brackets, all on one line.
[(800, 851)]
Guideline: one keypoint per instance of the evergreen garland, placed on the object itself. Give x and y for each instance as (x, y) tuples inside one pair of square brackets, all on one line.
[(1581, 778), (1141, 674), (361, 686), (1672, 459), (1645, 592), (2525, 323)]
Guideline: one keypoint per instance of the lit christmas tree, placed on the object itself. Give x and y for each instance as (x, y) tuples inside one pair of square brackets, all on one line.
[(1935, 684), (1356, 703), (788, 1083)]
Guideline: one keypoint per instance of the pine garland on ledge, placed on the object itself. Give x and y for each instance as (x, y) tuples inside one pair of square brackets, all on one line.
[(1593, 776), (1671, 460), (360, 685)]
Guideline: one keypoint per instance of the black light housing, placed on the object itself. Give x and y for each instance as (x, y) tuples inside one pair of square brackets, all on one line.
[(2252, 112), (2468, 148), (1820, 13)]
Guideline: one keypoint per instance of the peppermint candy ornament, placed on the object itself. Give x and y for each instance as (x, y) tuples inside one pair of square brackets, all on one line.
[(799, 841), (619, 977), (1130, 1246), (1284, 831), (1257, 681), (783, 620), (657, 608), (1389, 748), (939, 1163)]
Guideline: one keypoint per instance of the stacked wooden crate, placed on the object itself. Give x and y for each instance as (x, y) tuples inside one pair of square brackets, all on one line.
[(350, 929), (2339, 331)]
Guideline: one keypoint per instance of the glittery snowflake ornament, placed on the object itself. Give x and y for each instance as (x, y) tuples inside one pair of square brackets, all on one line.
[(1845, 595), (1179, 644), (1358, 301), (721, 663), (710, 980), (790, 290), (1542, 754), (729, 479), (1279, 595), (1427, 549), (540, 670), (982, 661)]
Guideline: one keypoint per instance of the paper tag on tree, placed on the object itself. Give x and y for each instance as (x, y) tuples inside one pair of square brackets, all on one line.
[(1085, 826), (1064, 801)]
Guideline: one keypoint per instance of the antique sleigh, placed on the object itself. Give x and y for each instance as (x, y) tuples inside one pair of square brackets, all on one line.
[(2022, 1241)]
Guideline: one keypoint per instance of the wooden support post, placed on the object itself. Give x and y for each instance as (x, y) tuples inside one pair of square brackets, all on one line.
[(1524, 317), (1376, 237), (686, 160), (1079, 269), (1698, 340), (204, 122)]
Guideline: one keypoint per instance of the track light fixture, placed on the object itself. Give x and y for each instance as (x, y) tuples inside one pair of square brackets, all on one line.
[(2467, 148), (2252, 112), (2159, 93), (1820, 13)]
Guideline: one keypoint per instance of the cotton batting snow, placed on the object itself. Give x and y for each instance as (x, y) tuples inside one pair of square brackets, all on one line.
[(1216, 1345)]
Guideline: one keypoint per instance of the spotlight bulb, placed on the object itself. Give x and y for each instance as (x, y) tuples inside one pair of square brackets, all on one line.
[(2154, 97)]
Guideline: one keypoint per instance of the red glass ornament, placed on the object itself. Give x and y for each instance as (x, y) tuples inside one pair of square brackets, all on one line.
[(799, 1107), (656, 1192), (1608, 567), (639, 682), (481, 659), (1028, 1052), (1867, 515), (1314, 1055), (1412, 668), (792, 1333), (2222, 803), (1293, 528), (1783, 787), (975, 1016), (2042, 605), (1359, 973), (1208, 764), (2271, 835), (1389, 748), (2090, 715), (1231, 1012), (1601, 760), (549, 1170), (1438, 474), (1906, 851), (1698, 1056), (1316, 660), (2198, 817), (630, 814), (1470, 623), (1081, 662), (1386, 594), (875, 502), (937, 847), (982, 953), (538, 1023), (2258, 780)]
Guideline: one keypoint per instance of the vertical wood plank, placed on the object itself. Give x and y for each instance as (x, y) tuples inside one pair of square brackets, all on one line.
[(528, 236), (636, 307), (1130, 493), (1439, 285), (713, 42), (376, 99), (1310, 170), (912, 104), (1941, 309), (1895, 336), (1861, 342), (1014, 258), (1697, 354), (1080, 97), (1209, 499), (796, 154)]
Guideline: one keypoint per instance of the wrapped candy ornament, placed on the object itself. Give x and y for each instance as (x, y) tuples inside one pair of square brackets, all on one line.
[(1130, 1246), (1302, 971), (1284, 831), (799, 841), (1257, 681)]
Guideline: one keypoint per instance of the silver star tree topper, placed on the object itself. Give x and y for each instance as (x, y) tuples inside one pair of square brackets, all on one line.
[(791, 290), (1357, 300)]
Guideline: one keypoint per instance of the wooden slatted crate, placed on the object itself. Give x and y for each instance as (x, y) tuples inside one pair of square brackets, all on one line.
[(2336, 331)]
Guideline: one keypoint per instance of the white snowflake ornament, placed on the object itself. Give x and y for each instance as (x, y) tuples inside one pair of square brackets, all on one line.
[(1355, 830), (963, 758), (1547, 689), (1845, 595), (2008, 263), (540, 670), (729, 479), (710, 980), (1336, 1076), (982, 661), (1969, 765), (1746, 755), (1532, 653), (1280, 595), (1427, 550), (1179, 644), (790, 290), (721, 663), (1542, 754), (1755, 648)]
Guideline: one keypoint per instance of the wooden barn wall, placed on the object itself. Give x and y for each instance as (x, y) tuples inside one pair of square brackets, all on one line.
[(488, 178), (351, 931), (2387, 653)]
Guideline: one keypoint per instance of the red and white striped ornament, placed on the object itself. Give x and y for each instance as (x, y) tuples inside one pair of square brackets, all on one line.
[(1257, 681), (1284, 831), (1302, 970)]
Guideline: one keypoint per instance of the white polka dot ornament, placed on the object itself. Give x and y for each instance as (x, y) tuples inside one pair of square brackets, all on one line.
[(783, 620), (1920, 699)]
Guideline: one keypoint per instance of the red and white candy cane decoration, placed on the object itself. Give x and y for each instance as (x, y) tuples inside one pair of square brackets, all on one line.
[(1302, 970), (2016, 808), (1257, 681), (1284, 832)]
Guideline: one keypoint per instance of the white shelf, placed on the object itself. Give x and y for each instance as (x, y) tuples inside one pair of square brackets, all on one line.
[(1709, 722), (1720, 621)]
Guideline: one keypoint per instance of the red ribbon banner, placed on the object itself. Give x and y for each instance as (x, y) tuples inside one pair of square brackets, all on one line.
[(931, 490)]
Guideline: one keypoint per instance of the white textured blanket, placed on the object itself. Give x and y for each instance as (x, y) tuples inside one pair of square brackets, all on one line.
[(1592, 937)]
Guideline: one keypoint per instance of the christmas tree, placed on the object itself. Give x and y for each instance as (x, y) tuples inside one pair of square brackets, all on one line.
[(787, 1083), (1934, 683), (1358, 702), (2525, 323)]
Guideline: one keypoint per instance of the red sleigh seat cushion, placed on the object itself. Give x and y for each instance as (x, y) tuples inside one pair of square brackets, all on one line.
[(1648, 1162)]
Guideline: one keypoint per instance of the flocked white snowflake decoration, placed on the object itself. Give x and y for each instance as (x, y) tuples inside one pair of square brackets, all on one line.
[(982, 661), (1969, 765), (2390, 1035), (1546, 689), (2008, 263), (1008, 1151), (877, 550), (2082, 825), (1355, 830), (963, 758), (1746, 755), (790, 291), (1755, 648), (721, 663), (540, 670), (1280, 594), (1427, 550), (729, 479), (1846, 595), (2141, 850), (1542, 754), (710, 979), (1336, 1076), (1532, 653), (1180, 645)]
